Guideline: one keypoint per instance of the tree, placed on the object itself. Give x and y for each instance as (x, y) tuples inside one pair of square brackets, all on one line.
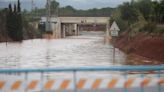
[(54, 7), (10, 8), (162, 10), (19, 7), (9, 22), (15, 8), (19, 23), (14, 23), (128, 12), (3, 24), (159, 10), (145, 7), (67, 11), (156, 6)]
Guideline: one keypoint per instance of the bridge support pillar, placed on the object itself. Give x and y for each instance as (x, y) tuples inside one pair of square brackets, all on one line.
[(64, 31), (57, 31), (107, 36), (76, 29), (70, 29)]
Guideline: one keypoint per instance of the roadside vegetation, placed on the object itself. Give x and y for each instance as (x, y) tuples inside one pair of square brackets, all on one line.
[(142, 30), (15, 26), (141, 16)]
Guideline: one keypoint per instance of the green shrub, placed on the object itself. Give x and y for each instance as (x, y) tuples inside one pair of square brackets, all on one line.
[(149, 27), (159, 29)]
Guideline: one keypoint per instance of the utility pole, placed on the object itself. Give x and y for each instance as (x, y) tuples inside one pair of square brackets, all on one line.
[(32, 5), (48, 19), (48, 10), (32, 9), (57, 11)]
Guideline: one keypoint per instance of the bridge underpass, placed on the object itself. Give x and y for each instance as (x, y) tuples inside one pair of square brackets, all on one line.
[(66, 26), (72, 25), (69, 29)]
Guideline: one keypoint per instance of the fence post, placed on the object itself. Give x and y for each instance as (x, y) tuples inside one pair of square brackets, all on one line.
[(142, 88), (26, 82), (42, 81), (74, 80), (125, 76), (159, 86)]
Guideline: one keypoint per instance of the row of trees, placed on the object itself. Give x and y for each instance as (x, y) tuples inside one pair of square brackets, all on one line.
[(70, 11), (140, 15), (2, 25), (56, 10), (151, 10), (14, 25)]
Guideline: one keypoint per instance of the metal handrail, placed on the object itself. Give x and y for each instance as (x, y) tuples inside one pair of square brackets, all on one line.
[(72, 69)]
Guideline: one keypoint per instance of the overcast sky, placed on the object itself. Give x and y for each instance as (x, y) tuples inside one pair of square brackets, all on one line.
[(78, 4)]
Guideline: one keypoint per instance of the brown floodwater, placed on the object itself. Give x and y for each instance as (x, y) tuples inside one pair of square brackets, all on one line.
[(88, 49)]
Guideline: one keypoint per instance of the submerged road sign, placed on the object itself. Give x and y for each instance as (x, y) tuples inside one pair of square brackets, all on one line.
[(114, 29)]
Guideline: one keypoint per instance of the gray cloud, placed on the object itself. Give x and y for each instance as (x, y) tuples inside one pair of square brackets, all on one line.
[(86, 4), (79, 4)]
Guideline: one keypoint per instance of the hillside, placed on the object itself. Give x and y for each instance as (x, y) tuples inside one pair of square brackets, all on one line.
[(145, 48)]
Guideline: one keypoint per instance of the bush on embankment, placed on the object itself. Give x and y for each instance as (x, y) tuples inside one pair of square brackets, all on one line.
[(142, 28)]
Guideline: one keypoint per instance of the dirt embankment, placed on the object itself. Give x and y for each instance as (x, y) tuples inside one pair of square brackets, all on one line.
[(142, 49)]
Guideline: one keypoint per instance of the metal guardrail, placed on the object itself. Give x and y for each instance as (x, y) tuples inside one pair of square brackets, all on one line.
[(78, 69), (74, 70)]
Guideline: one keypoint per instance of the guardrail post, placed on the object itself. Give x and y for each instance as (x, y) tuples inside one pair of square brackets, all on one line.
[(142, 88), (125, 76), (5, 89), (42, 81), (159, 86), (74, 80), (26, 82)]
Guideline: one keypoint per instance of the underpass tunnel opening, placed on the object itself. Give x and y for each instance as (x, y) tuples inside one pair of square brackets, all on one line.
[(73, 29), (69, 29), (92, 27), (47, 29)]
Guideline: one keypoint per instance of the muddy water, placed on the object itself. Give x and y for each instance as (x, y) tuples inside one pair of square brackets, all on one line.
[(88, 49)]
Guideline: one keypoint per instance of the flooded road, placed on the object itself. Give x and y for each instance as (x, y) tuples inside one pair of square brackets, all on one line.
[(88, 49)]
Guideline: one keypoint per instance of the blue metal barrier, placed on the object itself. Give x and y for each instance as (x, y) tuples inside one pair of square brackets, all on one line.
[(101, 68), (74, 70)]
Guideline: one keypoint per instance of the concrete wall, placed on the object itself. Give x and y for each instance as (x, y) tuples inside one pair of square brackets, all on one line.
[(86, 20)]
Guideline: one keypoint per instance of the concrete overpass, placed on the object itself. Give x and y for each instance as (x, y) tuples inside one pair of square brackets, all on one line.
[(71, 25)]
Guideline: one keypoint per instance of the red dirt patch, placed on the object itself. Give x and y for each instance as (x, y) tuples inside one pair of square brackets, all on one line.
[(150, 47)]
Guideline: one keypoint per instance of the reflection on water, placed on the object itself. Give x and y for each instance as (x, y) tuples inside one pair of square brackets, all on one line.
[(85, 50)]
